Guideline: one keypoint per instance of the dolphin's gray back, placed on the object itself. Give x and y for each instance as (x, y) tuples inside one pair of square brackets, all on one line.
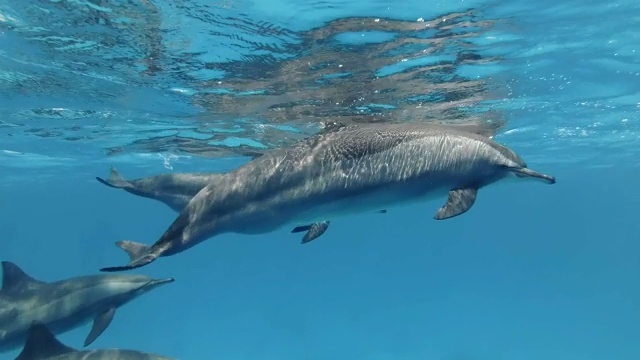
[(63, 305), (384, 152), (410, 159)]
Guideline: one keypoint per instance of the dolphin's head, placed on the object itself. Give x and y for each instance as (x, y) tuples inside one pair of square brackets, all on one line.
[(115, 289), (134, 285), (516, 167)]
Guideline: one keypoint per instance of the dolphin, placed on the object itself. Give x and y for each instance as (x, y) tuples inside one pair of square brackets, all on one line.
[(175, 191), (41, 344), (63, 305), (353, 169)]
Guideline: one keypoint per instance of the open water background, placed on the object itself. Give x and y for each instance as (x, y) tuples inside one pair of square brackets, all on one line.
[(531, 272)]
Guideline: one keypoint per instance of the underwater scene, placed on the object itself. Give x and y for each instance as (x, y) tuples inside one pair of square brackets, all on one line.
[(319, 180)]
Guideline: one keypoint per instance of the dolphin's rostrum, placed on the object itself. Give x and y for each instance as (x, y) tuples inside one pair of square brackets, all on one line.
[(353, 169), (63, 305)]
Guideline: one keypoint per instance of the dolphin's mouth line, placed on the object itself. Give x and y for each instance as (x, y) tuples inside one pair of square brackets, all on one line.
[(156, 282), (526, 172)]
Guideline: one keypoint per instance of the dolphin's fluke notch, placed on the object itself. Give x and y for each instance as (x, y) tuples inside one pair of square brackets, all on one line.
[(42, 344), (115, 180), (526, 172), (139, 255)]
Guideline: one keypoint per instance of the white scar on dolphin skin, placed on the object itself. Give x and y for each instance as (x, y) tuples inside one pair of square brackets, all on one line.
[(42, 344), (63, 305), (352, 169)]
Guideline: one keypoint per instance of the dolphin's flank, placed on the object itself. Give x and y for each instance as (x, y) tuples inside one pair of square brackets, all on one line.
[(347, 170)]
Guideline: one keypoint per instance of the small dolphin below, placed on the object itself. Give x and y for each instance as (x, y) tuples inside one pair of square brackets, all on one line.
[(175, 191), (41, 344), (63, 305), (353, 169)]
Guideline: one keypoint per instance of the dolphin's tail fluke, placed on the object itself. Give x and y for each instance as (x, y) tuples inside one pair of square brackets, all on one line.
[(139, 255), (526, 172), (115, 180)]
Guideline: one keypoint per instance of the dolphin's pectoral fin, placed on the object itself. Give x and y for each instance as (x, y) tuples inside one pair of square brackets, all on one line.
[(458, 202), (139, 255), (314, 230), (115, 180), (100, 324)]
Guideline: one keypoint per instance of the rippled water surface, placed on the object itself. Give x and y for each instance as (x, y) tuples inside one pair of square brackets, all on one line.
[(99, 80)]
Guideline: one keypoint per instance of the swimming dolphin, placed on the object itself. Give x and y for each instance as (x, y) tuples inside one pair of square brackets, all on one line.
[(63, 305), (175, 190), (354, 169), (41, 344)]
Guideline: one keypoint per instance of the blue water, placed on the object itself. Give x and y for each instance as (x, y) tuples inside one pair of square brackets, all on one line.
[(531, 272)]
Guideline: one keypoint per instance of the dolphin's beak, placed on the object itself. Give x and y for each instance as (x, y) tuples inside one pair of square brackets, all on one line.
[(526, 172), (158, 282)]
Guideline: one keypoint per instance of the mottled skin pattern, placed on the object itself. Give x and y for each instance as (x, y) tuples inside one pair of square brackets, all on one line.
[(353, 169), (41, 344), (62, 305)]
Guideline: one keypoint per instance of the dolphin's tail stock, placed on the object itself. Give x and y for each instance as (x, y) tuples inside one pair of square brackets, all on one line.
[(139, 255), (115, 180)]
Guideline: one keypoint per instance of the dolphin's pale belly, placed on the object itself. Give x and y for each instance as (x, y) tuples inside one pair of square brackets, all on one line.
[(304, 206), (383, 198)]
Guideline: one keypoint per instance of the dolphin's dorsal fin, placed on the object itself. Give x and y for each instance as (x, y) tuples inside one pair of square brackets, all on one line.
[(42, 344), (15, 279)]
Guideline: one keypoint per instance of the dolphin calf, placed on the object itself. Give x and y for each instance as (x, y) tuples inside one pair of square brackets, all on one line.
[(41, 344), (353, 169), (174, 190), (63, 305)]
